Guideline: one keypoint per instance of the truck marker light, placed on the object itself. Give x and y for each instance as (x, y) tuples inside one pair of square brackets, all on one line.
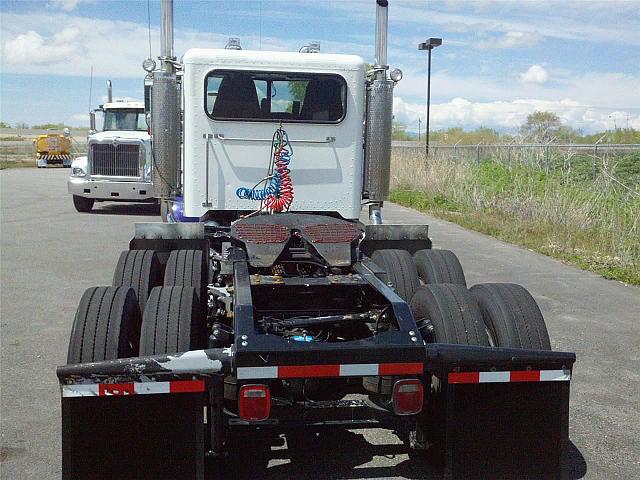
[(254, 402), (408, 396)]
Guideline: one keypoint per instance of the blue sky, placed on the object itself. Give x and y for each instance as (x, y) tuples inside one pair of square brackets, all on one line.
[(500, 60)]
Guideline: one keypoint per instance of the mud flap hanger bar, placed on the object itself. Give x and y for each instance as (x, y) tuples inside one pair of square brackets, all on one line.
[(202, 363), (442, 359)]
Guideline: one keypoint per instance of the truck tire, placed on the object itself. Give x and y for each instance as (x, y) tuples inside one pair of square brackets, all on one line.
[(512, 316), (444, 313), (106, 326), (439, 266), (400, 271), (187, 268), (140, 270), (82, 204), (173, 322), (448, 314)]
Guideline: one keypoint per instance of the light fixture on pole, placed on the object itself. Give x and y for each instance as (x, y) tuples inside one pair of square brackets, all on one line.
[(429, 45)]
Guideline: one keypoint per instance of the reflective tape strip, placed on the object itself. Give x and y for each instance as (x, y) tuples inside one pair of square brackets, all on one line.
[(344, 370), (555, 375), (494, 377), (510, 376), (80, 390), (128, 389), (357, 369), (55, 157), (257, 372)]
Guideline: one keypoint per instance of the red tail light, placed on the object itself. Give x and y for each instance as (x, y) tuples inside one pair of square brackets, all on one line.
[(254, 402), (408, 396)]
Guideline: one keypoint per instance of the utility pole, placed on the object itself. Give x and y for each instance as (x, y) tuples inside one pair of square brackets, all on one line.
[(420, 121)]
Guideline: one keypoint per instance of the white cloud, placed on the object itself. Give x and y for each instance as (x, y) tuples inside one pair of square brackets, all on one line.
[(66, 5), (507, 115), (510, 40), (535, 74), (113, 48), (31, 48)]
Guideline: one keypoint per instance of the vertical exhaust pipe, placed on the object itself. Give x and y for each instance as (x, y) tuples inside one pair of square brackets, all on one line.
[(166, 33), (165, 114), (377, 163), (382, 21), (109, 92)]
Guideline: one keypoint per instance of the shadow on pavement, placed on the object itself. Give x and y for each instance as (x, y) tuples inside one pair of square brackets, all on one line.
[(141, 209), (335, 453), (576, 464), (332, 453)]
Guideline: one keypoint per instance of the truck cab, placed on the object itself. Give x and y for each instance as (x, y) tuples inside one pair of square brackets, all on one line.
[(117, 166), (234, 99)]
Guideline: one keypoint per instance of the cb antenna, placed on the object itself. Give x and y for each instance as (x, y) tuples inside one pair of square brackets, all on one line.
[(149, 25), (90, 87)]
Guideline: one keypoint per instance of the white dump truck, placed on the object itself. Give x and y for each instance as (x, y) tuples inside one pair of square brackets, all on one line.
[(117, 167), (277, 310)]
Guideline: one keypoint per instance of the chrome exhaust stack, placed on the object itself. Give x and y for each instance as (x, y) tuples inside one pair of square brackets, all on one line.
[(378, 122), (109, 92), (165, 114)]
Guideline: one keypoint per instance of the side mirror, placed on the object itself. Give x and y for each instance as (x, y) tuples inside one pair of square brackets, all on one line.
[(92, 122)]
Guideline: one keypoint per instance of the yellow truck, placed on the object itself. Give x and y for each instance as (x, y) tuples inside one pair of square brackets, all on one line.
[(53, 148)]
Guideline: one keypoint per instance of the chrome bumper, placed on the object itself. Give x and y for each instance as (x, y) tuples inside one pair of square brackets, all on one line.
[(105, 190)]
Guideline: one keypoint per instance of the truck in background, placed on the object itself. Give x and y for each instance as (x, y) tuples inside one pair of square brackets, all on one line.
[(53, 148), (117, 166)]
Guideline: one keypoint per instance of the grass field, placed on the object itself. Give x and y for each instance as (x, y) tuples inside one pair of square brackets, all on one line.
[(594, 225)]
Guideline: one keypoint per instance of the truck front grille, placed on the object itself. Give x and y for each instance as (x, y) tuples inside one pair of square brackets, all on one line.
[(121, 160)]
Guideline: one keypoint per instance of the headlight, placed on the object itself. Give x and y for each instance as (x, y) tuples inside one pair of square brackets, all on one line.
[(77, 172)]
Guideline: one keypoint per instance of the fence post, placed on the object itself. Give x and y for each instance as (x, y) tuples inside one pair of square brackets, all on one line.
[(478, 152), (595, 156), (546, 154)]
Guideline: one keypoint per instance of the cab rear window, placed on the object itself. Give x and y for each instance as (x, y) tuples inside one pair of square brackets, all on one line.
[(275, 96)]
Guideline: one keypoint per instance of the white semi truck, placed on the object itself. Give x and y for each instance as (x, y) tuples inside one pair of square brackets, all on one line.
[(277, 309), (117, 167)]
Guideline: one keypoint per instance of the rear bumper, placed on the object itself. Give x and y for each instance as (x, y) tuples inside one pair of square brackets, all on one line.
[(63, 159), (453, 364), (495, 413), (107, 190)]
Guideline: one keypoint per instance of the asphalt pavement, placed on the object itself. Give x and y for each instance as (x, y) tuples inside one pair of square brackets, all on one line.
[(50, 254)]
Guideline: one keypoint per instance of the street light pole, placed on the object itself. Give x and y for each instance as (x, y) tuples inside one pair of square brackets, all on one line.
[(429, 45), (428, 101)]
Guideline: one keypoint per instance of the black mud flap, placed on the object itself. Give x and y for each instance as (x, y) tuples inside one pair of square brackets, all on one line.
[(500, 413), (138, 436), (506, 430)]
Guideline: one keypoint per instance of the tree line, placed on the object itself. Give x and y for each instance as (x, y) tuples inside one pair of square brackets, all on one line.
[(540, 127)]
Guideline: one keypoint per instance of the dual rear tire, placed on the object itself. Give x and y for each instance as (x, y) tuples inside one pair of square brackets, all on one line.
[(137, 316), (492, 314), (106, 326)]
